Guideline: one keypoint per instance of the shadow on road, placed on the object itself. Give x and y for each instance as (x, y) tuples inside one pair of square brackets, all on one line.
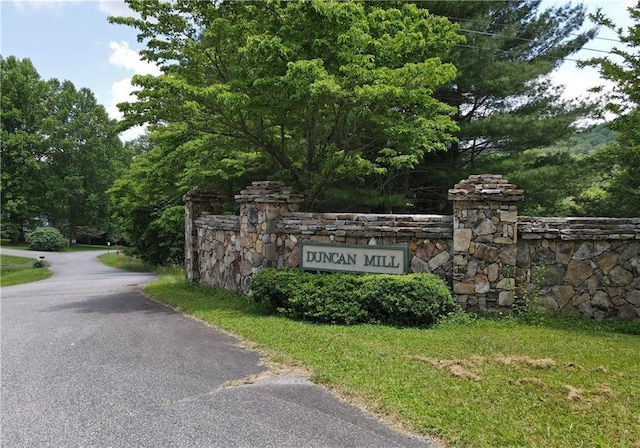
[(131, 302)]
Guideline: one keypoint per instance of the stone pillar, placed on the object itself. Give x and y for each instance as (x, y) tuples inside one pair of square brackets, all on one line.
[(485, 217), (198, 201), (261, 206)]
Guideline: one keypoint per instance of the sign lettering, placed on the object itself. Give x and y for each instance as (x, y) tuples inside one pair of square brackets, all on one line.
[(353, 258)]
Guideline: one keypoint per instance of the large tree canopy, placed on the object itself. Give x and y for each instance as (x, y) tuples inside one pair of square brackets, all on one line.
[(60, 153), (504, 98), (83, 157), (22, 111), (312, 92)]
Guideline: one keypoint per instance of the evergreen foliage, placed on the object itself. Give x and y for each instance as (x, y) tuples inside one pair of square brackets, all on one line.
[(504, 97), (620, 191), (548, 175)]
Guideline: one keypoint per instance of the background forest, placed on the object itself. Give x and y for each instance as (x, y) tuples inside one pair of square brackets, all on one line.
[(360, 106)]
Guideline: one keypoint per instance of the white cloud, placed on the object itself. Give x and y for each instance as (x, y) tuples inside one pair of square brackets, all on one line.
[(122, 91), (111, 7), (576, 81), (114, 7), (54, 6), (125, 57), (133, 133)]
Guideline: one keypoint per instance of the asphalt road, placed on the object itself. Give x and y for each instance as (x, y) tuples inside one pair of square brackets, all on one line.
[(88, 361)]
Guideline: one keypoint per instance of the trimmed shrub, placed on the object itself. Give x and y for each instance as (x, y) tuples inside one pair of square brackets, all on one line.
[(46, 238), (408, 300), (342, 298)]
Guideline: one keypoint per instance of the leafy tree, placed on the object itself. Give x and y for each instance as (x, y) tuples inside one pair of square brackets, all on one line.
[(313, 92), (620, 194), (60, 153), (83, 157), (21, 112), (140, 198), (147, 199)]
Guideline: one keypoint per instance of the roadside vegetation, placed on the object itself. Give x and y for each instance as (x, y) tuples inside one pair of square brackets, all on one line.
[(18, 270), (119, 260), (471, 381)]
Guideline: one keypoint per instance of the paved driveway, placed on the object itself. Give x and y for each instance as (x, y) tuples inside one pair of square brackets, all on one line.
[(88, 361)]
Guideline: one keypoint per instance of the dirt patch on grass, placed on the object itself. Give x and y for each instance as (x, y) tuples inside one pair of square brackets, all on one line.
[(468, 368), (573, 393), (589, 396), (471, 369), (457, 367), (457, 370), (543, 363)]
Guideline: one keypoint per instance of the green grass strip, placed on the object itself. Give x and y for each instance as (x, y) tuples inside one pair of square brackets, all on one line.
[(24, 272), (12, 260), (117, 259)]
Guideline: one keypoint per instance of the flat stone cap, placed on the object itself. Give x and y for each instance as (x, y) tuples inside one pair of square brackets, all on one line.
[(197, 194), (268, 191), (481, 187)]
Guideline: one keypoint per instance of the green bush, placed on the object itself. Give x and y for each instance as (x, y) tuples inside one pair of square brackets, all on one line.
[(340, 298), (46, 238), (40, 264)]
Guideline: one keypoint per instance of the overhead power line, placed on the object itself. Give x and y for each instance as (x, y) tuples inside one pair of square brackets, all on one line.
[(459, 19), (511, 51), (484, 33)]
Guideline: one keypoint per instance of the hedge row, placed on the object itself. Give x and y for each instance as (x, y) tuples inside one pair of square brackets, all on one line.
[(340, 298)]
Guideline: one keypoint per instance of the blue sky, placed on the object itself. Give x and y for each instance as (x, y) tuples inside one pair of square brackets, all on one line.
[(73, 40)]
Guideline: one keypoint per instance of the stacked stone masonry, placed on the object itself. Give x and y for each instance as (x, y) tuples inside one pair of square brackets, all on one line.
[(487, 254), (485, 218), (586, 266)]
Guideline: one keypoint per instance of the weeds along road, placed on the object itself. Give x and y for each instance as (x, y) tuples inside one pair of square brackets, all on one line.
[(88, 361)]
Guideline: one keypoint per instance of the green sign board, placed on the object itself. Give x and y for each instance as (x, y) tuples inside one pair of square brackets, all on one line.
[(353, 258)]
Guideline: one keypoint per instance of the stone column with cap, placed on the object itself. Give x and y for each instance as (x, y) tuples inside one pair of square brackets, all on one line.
[(261, 206), (485, 218), (198, 201)]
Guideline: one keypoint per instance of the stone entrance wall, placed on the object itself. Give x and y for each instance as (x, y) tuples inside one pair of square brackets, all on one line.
[(484, 251), (587, 266)]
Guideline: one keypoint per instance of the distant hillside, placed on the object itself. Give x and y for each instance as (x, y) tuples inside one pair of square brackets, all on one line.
[(565, 179), (584, 142)]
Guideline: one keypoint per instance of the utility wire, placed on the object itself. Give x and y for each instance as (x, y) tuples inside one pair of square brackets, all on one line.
[(484, 33), (459, 19), (496, 50)]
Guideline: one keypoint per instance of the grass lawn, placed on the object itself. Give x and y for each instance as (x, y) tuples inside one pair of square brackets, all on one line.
[(471, 382), (24, 274)]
